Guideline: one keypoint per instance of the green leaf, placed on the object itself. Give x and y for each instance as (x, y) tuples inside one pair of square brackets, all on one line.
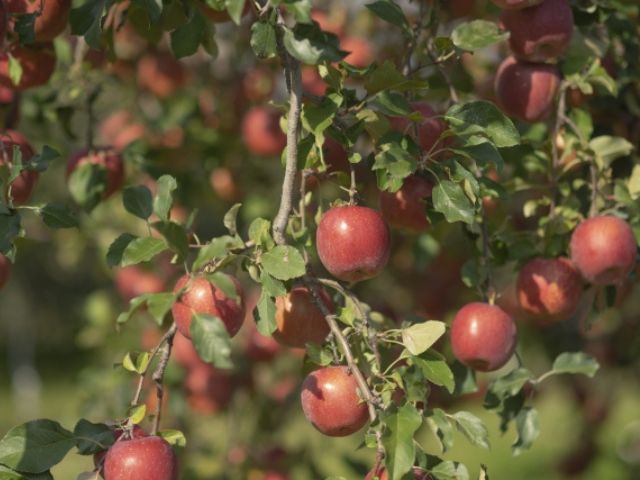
[(477, 34), (187, 38), (450, 470), (86, 20), (608, 148), (510, 384), (420, 337), (484, 473), (7, 474), (159, 305), (441, 427), (388, 77), (391, 103), (472, 428), (138, 201), (10, 229), (528, 428), (485, 119), (435, 369), (92, 437), (175, 236), (310, 45), (263, 39), (173, 437), (35, 446), (87, 184), (274, 287), (226, 283), (117, 248), (136, 362), (392, 164), (134, 304), (25, 27), (15, 70), (575, 363), (235, 9), (318, 117), (450, 200), (58, 216), (260, 233), (137, 413), (163, 201), (390, 12), (265, 314), (211, 339), (398, 440), (284, 263), (217, 248), (142, 250), (40, 162), (230, 219)]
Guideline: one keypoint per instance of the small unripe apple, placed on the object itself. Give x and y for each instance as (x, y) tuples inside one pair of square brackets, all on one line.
[(107, 157), (22, 186), (539, 33), (146, 458), (261, 132), (516, 4), (5, 270), (406, 208), (51, 21), (37, 61), (604, 249), (161, 74), (381, 474), (202, 296), (429, 129), (549, 289), (526, 90), (483, 336), (330, 401), (353, 242), (360, 50), (299, 320), (209, 389)]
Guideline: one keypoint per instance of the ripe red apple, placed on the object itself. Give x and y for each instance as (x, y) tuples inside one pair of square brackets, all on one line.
[(360, 50), (209, 389), (604, 250), (516, 4), (224, 184), (526, 90), (261, 348), (136, 432), (406, 208), (429, 129), (37, 61), (539, 33), (5, 270), (133, 281), (258, 84), (483, 336), (51, 21), (261, 132), (353, 242), (299, 320), (110, 159), (161, 74), (184, 353), (22, 186), (120, 129), (381, 474), (202, 296), (330, 401), (146, 458), (333, 21), (549, 289)]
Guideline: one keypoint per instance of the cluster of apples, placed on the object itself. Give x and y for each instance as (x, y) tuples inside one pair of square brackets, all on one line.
[(38, 60), (540, 31)]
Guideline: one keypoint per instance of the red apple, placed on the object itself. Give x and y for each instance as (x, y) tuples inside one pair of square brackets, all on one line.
[(353, 242), (360, 50), (161, 74), (50, 22), (224, 184), (406, 208), (299, 320), (146, 458), (381, 474), (133, 281), (604, 250), (258, 84), (110, 159), (202, 296), (261, 132), (526, 90), (335, 156), (120, 129), (37, 61), (516, 4), (333, 21), (539, 33), (22, 186), (209, 389), (185, 353), (549, 289), (330, 401), (136, 432), (429, 128), (5, 270), (261, 348), (483, 336)]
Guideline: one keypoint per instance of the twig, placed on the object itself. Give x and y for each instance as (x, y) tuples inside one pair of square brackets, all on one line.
[(158, 375), (593, 172), (488, 292), (560, 118)]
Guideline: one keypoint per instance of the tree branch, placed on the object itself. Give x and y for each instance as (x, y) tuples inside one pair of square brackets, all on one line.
[(158, 375)]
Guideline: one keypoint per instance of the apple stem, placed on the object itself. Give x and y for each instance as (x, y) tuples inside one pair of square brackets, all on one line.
[(158, 375)]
